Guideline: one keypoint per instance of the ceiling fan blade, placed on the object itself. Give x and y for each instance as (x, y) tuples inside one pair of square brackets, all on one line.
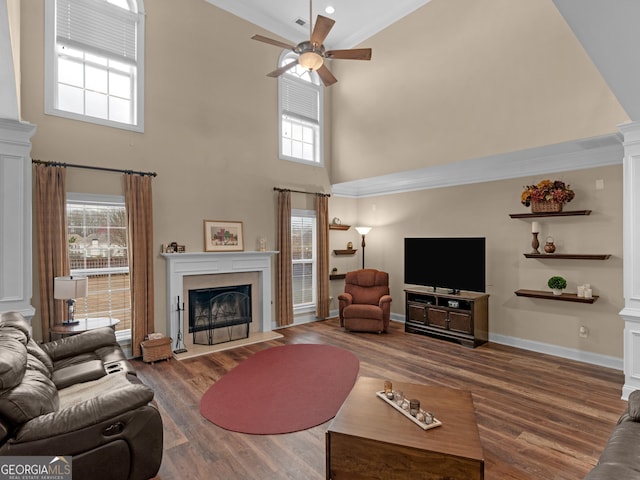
[(271, 41), (321, 29), (326, 76), (352, 54), (279, 71)]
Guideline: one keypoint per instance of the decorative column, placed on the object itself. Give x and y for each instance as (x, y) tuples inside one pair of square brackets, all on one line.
[(631, 253), (15, 176), (15, 217)]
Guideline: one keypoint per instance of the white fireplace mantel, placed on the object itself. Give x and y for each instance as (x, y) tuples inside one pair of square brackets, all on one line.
[(180, 265)]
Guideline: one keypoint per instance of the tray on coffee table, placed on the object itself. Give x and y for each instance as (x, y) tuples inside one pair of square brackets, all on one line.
[(423, 425)]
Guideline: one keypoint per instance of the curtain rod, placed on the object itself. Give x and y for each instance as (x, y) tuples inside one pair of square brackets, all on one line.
[(88, 167), (300, 191)]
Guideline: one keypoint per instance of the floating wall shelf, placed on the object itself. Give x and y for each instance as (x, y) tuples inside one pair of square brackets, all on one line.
[(575, 256), (337, 276), (568, 213), (345, 252), (565, 297), (333, 226)]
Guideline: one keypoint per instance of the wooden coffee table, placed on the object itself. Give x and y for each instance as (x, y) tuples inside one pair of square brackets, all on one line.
[(369, 439)]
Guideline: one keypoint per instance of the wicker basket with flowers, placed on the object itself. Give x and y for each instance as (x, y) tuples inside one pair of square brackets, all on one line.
[(547, 196)]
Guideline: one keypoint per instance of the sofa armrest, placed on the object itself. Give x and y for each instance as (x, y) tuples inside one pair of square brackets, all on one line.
[(633, 405), (344, 300), (83, 343), (85, 414), (346, 297), (385, 299)]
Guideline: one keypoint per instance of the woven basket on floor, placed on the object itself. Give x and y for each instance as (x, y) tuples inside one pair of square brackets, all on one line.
[(157, 349), (545, 206)]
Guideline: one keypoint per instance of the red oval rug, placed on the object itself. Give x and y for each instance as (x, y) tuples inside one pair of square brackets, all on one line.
[(282, 389)]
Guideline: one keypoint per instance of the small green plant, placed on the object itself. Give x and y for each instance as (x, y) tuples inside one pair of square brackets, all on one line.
[(557, 283)]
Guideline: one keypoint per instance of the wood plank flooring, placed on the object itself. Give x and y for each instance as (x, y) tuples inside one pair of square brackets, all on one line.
[(539, 416)]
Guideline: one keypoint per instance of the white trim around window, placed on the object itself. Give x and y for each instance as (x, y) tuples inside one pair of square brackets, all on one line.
[(133, 23)]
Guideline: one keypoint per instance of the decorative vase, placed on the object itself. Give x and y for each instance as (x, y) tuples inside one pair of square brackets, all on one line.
[(545, 206), (556, 291), (549, 247)]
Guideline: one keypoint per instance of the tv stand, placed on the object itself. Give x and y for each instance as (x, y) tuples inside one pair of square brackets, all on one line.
[(461, 317)]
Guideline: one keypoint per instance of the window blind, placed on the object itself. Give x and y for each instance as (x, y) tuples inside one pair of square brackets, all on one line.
[(299, 100), (97, 26)]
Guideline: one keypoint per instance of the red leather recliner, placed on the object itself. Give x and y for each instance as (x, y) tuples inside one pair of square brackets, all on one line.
[(365, 305)]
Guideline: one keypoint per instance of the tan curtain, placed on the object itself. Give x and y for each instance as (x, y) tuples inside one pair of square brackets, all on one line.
[(284, 294), (138, 199), (53, 251), (322, 232)]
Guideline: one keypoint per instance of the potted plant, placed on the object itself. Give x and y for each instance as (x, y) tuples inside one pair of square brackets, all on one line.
[(557, 284), (547, 196)]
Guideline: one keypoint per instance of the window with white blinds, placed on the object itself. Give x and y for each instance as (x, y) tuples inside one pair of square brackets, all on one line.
[(300, 112), (303, 256), (98, 245), (94, 61)]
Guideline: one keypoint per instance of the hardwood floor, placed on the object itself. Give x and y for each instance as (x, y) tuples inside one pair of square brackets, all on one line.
[(539, 416)]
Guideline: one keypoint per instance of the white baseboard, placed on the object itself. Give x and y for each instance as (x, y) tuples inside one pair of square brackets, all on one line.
[(564, 352), (549, 349)]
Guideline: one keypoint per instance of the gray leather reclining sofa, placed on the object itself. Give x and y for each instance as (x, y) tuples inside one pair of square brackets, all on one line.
[(79, 397), (620, 459)]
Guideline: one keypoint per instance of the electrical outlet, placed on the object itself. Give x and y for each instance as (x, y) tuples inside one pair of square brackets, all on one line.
[(583, 332)]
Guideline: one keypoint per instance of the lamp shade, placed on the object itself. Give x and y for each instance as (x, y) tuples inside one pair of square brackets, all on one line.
[(66, 288), (310, 60), (363, 230)]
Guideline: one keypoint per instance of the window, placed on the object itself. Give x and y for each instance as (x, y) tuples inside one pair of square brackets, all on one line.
[(300, 113), (97, 236), (94, 61), (303, 252)]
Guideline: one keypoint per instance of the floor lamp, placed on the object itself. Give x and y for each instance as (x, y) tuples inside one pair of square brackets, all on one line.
[(363, 231)]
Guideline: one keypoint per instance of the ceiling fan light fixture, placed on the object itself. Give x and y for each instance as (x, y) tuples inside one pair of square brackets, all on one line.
[(311, 60)]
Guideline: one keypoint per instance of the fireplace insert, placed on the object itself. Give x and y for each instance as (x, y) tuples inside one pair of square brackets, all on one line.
[(219, 314)]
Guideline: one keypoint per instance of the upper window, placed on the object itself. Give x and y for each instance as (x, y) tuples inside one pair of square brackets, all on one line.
[(300, 113), (94, 61)]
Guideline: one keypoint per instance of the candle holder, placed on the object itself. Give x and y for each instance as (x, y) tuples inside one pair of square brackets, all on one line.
[(535, 243)]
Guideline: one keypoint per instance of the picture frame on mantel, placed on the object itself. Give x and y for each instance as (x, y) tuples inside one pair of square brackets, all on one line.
[(223, 236)]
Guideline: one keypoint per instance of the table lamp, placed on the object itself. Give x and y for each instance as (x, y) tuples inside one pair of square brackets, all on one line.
[(363, 231), (70, 288)]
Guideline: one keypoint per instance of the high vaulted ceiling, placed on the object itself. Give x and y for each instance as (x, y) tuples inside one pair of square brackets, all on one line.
[(355, 20), (604, 28)]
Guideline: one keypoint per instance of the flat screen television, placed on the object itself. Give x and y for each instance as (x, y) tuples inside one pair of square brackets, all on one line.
[(454, 263)]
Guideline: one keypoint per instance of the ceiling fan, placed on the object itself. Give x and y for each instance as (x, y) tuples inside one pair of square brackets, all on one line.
[(312, 52)]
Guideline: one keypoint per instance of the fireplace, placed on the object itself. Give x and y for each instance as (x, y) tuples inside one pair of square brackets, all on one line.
[(198, 270), (219, 314)]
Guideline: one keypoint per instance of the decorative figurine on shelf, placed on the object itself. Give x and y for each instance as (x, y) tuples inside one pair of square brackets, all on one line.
[(334, 270), (350, 246), (549, 247)]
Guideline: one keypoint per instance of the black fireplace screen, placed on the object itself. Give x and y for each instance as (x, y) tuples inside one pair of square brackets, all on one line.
[(212, 309)]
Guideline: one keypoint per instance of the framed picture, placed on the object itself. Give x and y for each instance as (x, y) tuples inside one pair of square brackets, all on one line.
[(221, 236)]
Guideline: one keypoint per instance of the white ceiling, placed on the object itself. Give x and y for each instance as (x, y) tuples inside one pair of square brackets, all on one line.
[(354, 24)]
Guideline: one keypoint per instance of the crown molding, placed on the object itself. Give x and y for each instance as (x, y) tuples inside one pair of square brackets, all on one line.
[(581, 154)]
